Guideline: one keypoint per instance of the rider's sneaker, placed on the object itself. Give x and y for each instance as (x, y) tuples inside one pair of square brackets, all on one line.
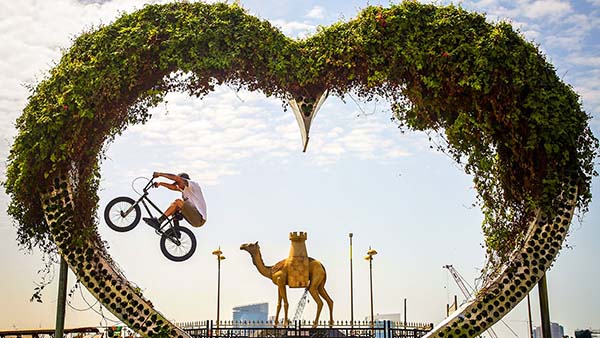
[(152, 221)]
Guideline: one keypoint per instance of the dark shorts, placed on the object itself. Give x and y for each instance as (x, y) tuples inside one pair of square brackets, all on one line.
[(192, 215)]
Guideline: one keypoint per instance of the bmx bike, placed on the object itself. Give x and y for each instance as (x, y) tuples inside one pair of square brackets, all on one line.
[(123, 213)]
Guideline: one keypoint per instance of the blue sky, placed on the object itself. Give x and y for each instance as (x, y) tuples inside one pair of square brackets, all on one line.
[(359, 175)]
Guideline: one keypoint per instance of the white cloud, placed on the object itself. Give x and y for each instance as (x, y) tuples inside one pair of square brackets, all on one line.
[(562, 41), (588, 87), (546, 8), (484, 3), (551, 10), (584, 60), (294, 28), (558, 27), (218, 135), (570, 34), (345, 133), (317, 12), (532, 34), (32, 35), (220, 131)]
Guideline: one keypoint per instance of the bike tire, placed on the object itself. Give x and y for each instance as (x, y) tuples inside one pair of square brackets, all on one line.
[(174, 252), (114, 219)]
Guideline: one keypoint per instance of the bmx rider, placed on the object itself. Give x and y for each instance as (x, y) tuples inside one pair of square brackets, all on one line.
[(192, 205)]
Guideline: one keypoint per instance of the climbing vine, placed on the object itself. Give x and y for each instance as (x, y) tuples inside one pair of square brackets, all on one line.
[(516, 127)]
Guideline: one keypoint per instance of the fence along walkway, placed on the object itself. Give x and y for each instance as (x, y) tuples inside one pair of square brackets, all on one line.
[(38, 333), (251, 329)]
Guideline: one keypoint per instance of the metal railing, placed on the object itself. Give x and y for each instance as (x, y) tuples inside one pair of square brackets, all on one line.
[(258, 329)]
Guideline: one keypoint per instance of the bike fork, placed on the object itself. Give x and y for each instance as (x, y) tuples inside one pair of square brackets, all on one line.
[(126, 212)]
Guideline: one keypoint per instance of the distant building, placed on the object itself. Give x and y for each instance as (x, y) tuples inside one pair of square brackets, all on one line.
[(382, 317), (587, 333), (556, 329), (393, 317), (253, 312), (379, 319)]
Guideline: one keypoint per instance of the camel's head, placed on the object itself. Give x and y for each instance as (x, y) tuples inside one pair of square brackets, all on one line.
[(252, 248)]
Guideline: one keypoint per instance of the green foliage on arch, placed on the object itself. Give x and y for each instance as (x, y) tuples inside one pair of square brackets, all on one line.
[(516, 127)]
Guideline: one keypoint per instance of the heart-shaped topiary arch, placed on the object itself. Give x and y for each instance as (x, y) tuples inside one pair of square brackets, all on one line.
[(518, 129)]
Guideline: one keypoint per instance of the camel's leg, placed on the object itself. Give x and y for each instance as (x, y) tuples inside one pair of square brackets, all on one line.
[(283, 292), (329, 301), (315, 295), (279, 298)]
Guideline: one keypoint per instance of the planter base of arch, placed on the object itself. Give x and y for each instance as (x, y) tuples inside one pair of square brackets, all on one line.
[(95, 269), (517, 277)]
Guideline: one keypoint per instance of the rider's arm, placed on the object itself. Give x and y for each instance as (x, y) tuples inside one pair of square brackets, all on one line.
[(169, 186), (176, 178), (169, 176)]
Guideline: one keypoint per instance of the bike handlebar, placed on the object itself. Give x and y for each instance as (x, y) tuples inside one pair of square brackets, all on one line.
[(149, 185)]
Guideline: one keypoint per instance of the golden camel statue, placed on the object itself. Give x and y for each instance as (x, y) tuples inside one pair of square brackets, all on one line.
[(282, 275)]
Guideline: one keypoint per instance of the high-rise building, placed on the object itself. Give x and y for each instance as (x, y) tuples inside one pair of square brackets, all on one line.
[(253, 312), (556, 330)]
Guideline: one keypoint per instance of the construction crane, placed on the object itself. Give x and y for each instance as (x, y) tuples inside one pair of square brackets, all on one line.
[(300, 306), (462, 285)]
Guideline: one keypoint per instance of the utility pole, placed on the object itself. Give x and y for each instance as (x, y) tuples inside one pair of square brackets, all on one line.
[(544, 306), (530, 325), (62, 299), (351, 286)]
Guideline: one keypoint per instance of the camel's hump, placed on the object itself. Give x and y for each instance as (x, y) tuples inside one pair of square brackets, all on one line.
[(278, 267)]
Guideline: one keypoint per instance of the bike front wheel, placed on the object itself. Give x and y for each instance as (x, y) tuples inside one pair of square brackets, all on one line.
[(178, 244), (122, 214)]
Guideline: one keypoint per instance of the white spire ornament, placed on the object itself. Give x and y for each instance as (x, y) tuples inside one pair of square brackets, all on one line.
[(305, 109)]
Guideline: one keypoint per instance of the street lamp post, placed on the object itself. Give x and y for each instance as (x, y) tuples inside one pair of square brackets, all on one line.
[(351, 286), (220, 257), (369, 257)]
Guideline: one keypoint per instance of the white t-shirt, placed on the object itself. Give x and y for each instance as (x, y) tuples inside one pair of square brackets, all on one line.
[(193, 193)]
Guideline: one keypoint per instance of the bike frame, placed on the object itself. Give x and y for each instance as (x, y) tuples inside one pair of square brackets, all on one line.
[(172, 221)]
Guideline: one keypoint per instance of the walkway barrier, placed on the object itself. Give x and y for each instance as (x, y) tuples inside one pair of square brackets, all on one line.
[(39, 333), (258, 329)]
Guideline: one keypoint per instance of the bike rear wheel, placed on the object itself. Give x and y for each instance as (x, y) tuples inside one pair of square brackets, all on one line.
[(178, 244), (116, 216)]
